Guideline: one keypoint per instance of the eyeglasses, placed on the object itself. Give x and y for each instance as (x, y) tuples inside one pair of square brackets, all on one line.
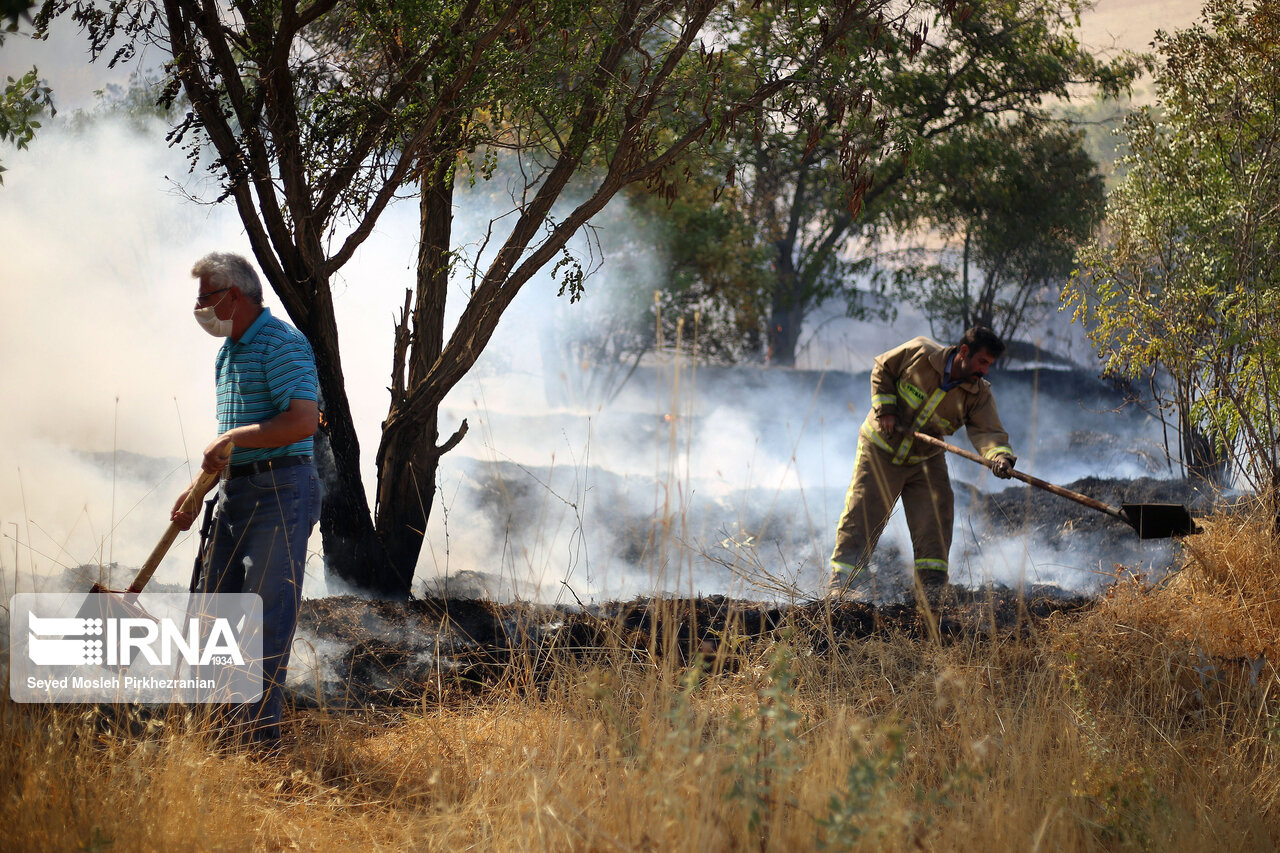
[(205, 297)]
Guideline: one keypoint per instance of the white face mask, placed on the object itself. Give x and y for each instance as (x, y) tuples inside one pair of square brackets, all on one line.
[(209, 321)]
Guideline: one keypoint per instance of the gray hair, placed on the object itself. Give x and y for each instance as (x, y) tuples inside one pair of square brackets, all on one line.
[(227, 270)]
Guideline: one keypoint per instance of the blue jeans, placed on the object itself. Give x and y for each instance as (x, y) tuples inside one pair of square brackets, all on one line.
[(259, 544)]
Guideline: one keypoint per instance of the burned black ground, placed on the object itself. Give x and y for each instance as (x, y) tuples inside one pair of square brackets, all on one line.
[(380, 653), (400, 653)]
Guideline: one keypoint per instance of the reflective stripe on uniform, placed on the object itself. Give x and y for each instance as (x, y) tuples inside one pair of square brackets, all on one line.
[(884, 400), (874, 437), (929, 565), (1002, 450), (921, 419), (840, 568)]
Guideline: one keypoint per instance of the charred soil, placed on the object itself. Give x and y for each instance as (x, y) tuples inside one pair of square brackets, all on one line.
[(400, 653)]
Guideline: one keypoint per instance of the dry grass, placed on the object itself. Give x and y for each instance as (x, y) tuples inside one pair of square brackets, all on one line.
[(1150, 722)]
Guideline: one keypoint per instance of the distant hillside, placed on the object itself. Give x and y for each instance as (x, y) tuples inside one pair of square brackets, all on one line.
[(1131, 24), (1110, 27)]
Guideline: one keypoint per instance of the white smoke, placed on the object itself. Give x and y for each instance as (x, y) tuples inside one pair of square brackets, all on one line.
[(694, 480)]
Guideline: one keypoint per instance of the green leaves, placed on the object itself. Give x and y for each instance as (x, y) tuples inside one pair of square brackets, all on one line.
[(1184, 282), (862, 805), (21, 102), (828, 177), (1013, 201)]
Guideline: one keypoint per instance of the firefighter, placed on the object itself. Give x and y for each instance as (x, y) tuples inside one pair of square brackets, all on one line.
[(926, 387)]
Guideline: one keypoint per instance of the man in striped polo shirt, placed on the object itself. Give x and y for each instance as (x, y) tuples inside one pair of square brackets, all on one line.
[(269, 498), (920, 386)]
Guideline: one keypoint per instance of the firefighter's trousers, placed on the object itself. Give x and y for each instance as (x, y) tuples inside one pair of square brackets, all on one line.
[(927, 502)]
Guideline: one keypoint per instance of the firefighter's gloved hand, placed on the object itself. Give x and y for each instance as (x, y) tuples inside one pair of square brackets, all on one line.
[(1002, 467)]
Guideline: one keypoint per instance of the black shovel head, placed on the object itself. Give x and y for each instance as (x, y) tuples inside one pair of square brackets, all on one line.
[(1159, 521), (103, 603)]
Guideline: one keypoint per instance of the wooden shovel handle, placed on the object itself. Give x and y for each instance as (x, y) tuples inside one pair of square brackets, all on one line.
[(1027, 478), (200, 487)]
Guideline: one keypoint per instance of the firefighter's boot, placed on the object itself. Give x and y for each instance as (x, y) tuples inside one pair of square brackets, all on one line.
[(933, 588)]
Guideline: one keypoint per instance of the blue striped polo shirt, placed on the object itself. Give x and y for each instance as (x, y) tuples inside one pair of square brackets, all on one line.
[(258, 375)]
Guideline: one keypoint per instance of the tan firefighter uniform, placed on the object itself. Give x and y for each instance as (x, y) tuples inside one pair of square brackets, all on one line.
[(906, 381)]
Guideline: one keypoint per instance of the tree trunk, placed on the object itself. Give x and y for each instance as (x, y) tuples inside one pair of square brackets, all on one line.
[(1201, 457), (787, 311), (408, 455), (1274, 497), (352, 553), (406, 490)]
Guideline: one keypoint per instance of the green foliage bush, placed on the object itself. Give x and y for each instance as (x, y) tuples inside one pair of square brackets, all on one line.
[(1182, 285)]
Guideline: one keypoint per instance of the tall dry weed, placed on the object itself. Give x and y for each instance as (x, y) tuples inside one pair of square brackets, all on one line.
[(1149, 722)]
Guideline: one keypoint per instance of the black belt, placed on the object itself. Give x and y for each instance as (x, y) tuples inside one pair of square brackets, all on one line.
[(246, 469)]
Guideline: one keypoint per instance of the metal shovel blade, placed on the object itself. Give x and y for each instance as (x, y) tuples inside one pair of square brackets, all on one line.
[(1159, 521), (103, 603)]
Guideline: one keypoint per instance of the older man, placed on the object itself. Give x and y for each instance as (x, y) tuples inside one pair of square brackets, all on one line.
[(269, 497), (920, 386)]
